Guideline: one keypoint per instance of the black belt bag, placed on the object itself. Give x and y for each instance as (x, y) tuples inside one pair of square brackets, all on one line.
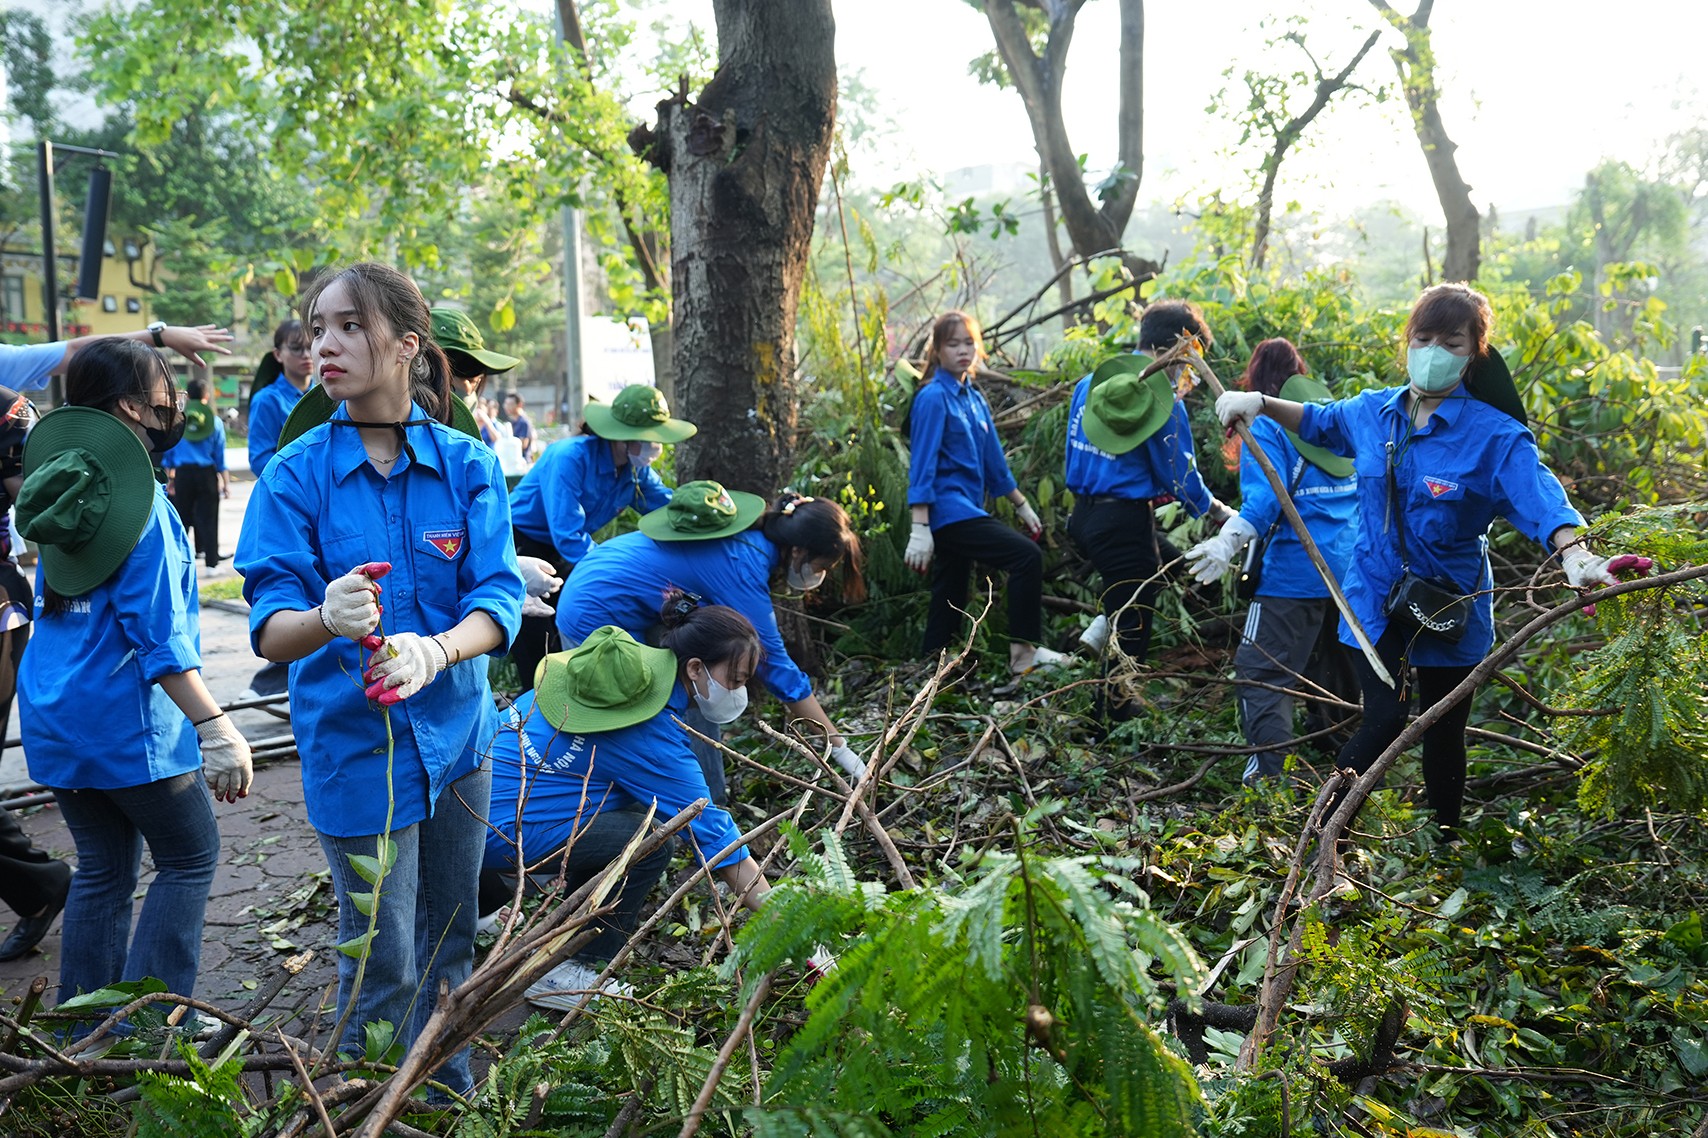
[(1428, 604)]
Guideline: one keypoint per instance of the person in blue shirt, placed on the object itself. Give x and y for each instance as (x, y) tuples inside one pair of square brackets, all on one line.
[(281, 379), (1436, 464), (579, 485), (1290, 641), (28, 367), (955, 464), (1129, 450), (195, 471), (597, 744), (725, 548), (116, 628), (392, 717)]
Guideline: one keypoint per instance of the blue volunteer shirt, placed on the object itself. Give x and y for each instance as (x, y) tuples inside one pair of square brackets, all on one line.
[(106, 652), (956, 458), (199, 452), (1162, 465), (27, 367), (1469, 464), (622, 582), (575, 489), (443, 521), (571, 778), (268, 411), (1328, 505)]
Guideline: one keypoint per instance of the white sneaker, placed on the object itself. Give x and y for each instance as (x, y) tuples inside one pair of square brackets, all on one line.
[(1096, 635), (563, 987), (1042, 658)]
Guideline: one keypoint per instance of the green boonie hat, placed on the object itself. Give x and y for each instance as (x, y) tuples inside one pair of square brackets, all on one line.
[(1123, 410), (638, 413), (316, 407), (608, 681), (1305, 389), (702, 510), (455, 332), (88, 491), (198, 421)]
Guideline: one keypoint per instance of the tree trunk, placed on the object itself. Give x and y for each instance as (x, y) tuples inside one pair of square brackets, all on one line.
[(745, 163), (1053, 242), (1416, 65), (1092, 228)]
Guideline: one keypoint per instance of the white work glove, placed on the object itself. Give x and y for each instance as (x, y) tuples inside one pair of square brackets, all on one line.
[(919, 547), (1584, 570), (1029, 519), (537, 607), (850, 762), (539, 576), (225, 758), (1239, 407), (403, 664), (352, 605), (1209, 560)]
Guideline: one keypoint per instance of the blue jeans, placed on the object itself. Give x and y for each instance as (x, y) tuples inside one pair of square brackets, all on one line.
[(426, 919), (175, 817)]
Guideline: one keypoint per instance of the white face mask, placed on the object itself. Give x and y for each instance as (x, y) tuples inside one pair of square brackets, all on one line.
[(644, 454), (718, 703), (803, 578)]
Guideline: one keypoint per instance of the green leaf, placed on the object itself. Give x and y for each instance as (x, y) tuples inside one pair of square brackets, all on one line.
[(358, 946), (378, 1037), (113, 995), (364, 903)]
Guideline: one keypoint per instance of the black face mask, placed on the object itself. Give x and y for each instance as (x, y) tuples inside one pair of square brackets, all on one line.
[(163, 439)]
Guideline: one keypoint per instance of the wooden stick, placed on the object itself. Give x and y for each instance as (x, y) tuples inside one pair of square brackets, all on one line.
[(1186, 350)]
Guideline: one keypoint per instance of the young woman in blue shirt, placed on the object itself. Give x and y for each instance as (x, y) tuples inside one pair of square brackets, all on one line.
[(1290, 640), (955, 464), (726, 548), (1436, 464), (584, 756), (395, 715), (579, 485), (116, 625)]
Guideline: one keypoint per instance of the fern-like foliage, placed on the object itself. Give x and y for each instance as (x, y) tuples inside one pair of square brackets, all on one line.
[(1021, 1003), (1652, 674)]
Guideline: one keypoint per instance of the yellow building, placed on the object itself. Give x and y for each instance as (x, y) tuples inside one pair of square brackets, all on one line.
[(122, 306)]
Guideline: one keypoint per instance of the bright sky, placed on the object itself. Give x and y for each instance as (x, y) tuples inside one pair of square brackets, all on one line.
[(1536, 92)]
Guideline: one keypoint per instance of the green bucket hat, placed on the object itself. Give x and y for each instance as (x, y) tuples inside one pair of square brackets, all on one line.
[(316, 407), (455, 332), (1123, 410), (702, 510), (608, 681), (198, 421), (87, 494), (638, 413), (1306, 389)]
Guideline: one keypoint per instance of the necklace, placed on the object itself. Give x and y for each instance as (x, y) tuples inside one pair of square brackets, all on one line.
[(387, 461)]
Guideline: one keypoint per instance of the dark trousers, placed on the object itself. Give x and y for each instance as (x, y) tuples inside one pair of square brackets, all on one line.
[(1385, 712), (30, 880), (987, 542), (1119, 537), (195, 491), (1290, 642), (597, 843), (538, 636)]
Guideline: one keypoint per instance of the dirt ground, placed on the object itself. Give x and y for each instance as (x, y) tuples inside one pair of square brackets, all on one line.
[(271, 899)]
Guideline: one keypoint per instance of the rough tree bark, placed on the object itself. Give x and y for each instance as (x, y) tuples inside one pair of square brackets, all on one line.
[(1416, 65), (1289, 134), (1091, 228), (745, 162)]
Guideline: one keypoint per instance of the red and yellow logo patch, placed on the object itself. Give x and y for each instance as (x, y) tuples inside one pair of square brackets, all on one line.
[(447, 541), (1439, 486)]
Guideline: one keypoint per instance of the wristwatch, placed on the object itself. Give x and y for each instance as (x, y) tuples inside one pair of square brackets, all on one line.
[(155, 329)]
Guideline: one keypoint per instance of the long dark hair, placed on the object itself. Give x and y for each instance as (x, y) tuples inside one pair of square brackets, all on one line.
[(103, 372), (381, 294), (708, 633), (821, 527)]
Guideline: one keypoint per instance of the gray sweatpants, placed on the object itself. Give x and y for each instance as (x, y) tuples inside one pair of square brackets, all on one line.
[(1289, 642)]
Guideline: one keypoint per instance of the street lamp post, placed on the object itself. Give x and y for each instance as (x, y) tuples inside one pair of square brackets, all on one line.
[(50, 256)]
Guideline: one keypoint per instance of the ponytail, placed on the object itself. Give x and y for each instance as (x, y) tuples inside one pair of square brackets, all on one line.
[(708, 633)]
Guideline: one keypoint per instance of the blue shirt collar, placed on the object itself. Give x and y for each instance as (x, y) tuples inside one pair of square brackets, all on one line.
[(348, 453), (941, 375), (1447, 411)]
